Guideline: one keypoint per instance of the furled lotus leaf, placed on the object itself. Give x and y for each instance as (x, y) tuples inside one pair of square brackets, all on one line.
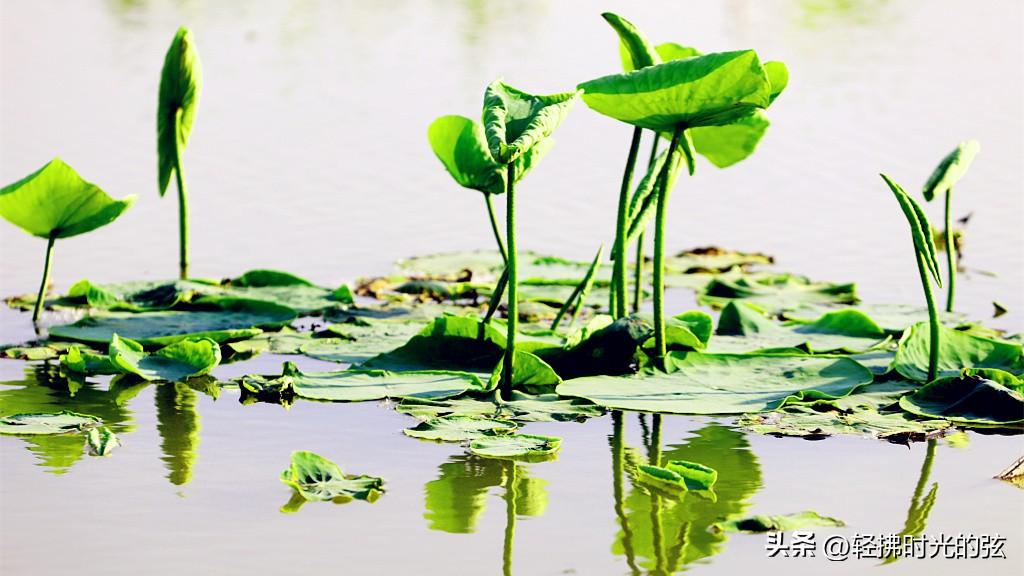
[(362, 385), (55, 202), (708, 90), (460, 144), (233, 319), (957, 350), (762, 523), (742, 328), (178, 361), (634, 47), (102, 441), (516, 446), (920, 228), (62, 422), (516, 121), (774, 293), (181, 83), (951, 169), (317, 478), (459, 428), (698, 383), (977, 396)]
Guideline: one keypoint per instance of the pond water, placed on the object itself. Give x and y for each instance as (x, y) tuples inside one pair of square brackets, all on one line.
[(309, 154)]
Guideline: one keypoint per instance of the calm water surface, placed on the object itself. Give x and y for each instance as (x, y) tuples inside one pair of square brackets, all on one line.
[(309, 154)]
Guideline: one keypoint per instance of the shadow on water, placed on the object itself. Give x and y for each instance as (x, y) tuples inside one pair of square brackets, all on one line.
[(661, 535)]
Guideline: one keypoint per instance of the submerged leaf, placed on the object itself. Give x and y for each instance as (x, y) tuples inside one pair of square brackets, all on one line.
[(516, 121), (459, 428), (55, 202), (317, 478), (979, 396), (62, 422), (761, 523), (957, 350), (181, 82), (722, 383), (516, 446)]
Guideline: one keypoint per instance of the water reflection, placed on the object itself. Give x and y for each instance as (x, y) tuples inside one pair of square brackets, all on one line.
[(44, 389), (661, 535), (177, 421), (920, 503)]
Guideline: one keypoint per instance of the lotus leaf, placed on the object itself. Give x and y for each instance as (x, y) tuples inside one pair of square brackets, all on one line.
[(957, 350), (951, 169), (87, 362), (459, 428), (893, 318), (977, 396), (181, 83), (362, 385), (516, 446), (516, 121), (178, 361), (762, 523), (742, 328), (774, 293), (357, 342), (317, 478), (256, 388)]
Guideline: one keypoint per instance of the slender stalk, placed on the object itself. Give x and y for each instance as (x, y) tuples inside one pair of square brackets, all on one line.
[(616, 442), (510, 519), (951, 258), (494, 228), (499, 290), (933, 319), (46, 279), (179, 174), (659, 244), (619, 251), (513, 279), (638, 273)]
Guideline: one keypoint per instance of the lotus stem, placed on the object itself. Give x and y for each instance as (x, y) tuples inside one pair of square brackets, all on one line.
[(513, 280), (619, 251), (494, 228), (638, 274), (179, 174), (616, 441), (951, 256), (659, 244), (46, 279), (510, 518), (933, 319), (492, 304)]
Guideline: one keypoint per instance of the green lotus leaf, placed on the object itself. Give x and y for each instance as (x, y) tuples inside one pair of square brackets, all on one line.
[(459, 428), (678, 475), (178, 361), (317, 478), (85, 361), (357, 342), (485, 266), (447, 343), (893, 318), (516, 446), (101, 441), (698, 383), (233, 319), (708, 90), (284, 341), (726, 145), (669, 51), (742, 328), (957, 350), (778, 77), (528, 371), (30, 353), (713, 259), (181, 83), (516, 121), (951, 169), (62, 422), (521, 407), (985, 397), (362, 385), (55, 202), (762, 523), (634, 48), (920, 228), (774, 293)]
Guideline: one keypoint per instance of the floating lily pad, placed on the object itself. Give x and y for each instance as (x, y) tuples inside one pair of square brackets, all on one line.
[(978, 396), (779, 523), (521, 407), (316, 478), (102, 441), (85, 361), (722, 383), (486, 266), (284, 341), (459, 428), (362, 385), (893, 318), (178, 361), (957, 350), (516, 446), (774, 293), (447, 343), (31, 353), (63, 422), (742, 328), (712, 259), (233, 320), (355, 343)]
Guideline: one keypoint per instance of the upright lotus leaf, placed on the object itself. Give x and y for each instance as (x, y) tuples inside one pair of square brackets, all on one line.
[(637, 52), (459, 428), (984, 397), (317, 478), (363, 385), (780, 523), (951, 169), (63, 422), (698, 383), (708, 90), (55, 202), (957, 350), (181, 82), (516, 447), (529, 373), (516, 121), (179, 361)]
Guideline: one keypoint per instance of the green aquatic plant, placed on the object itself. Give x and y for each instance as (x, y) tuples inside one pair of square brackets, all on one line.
[(710, 90), (181, 82), (55, 202), (952, 168), (578, 298), (927, 265), (514, 123), (316, 478)]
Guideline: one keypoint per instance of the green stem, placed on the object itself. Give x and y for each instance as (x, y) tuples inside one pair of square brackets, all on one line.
[(659, 244), (511, 268), (494, 228), (638, 274), (950, 254), (46, 279), (182, 198), (510, 519), (933, 319), (499, 290), (619, 251)]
